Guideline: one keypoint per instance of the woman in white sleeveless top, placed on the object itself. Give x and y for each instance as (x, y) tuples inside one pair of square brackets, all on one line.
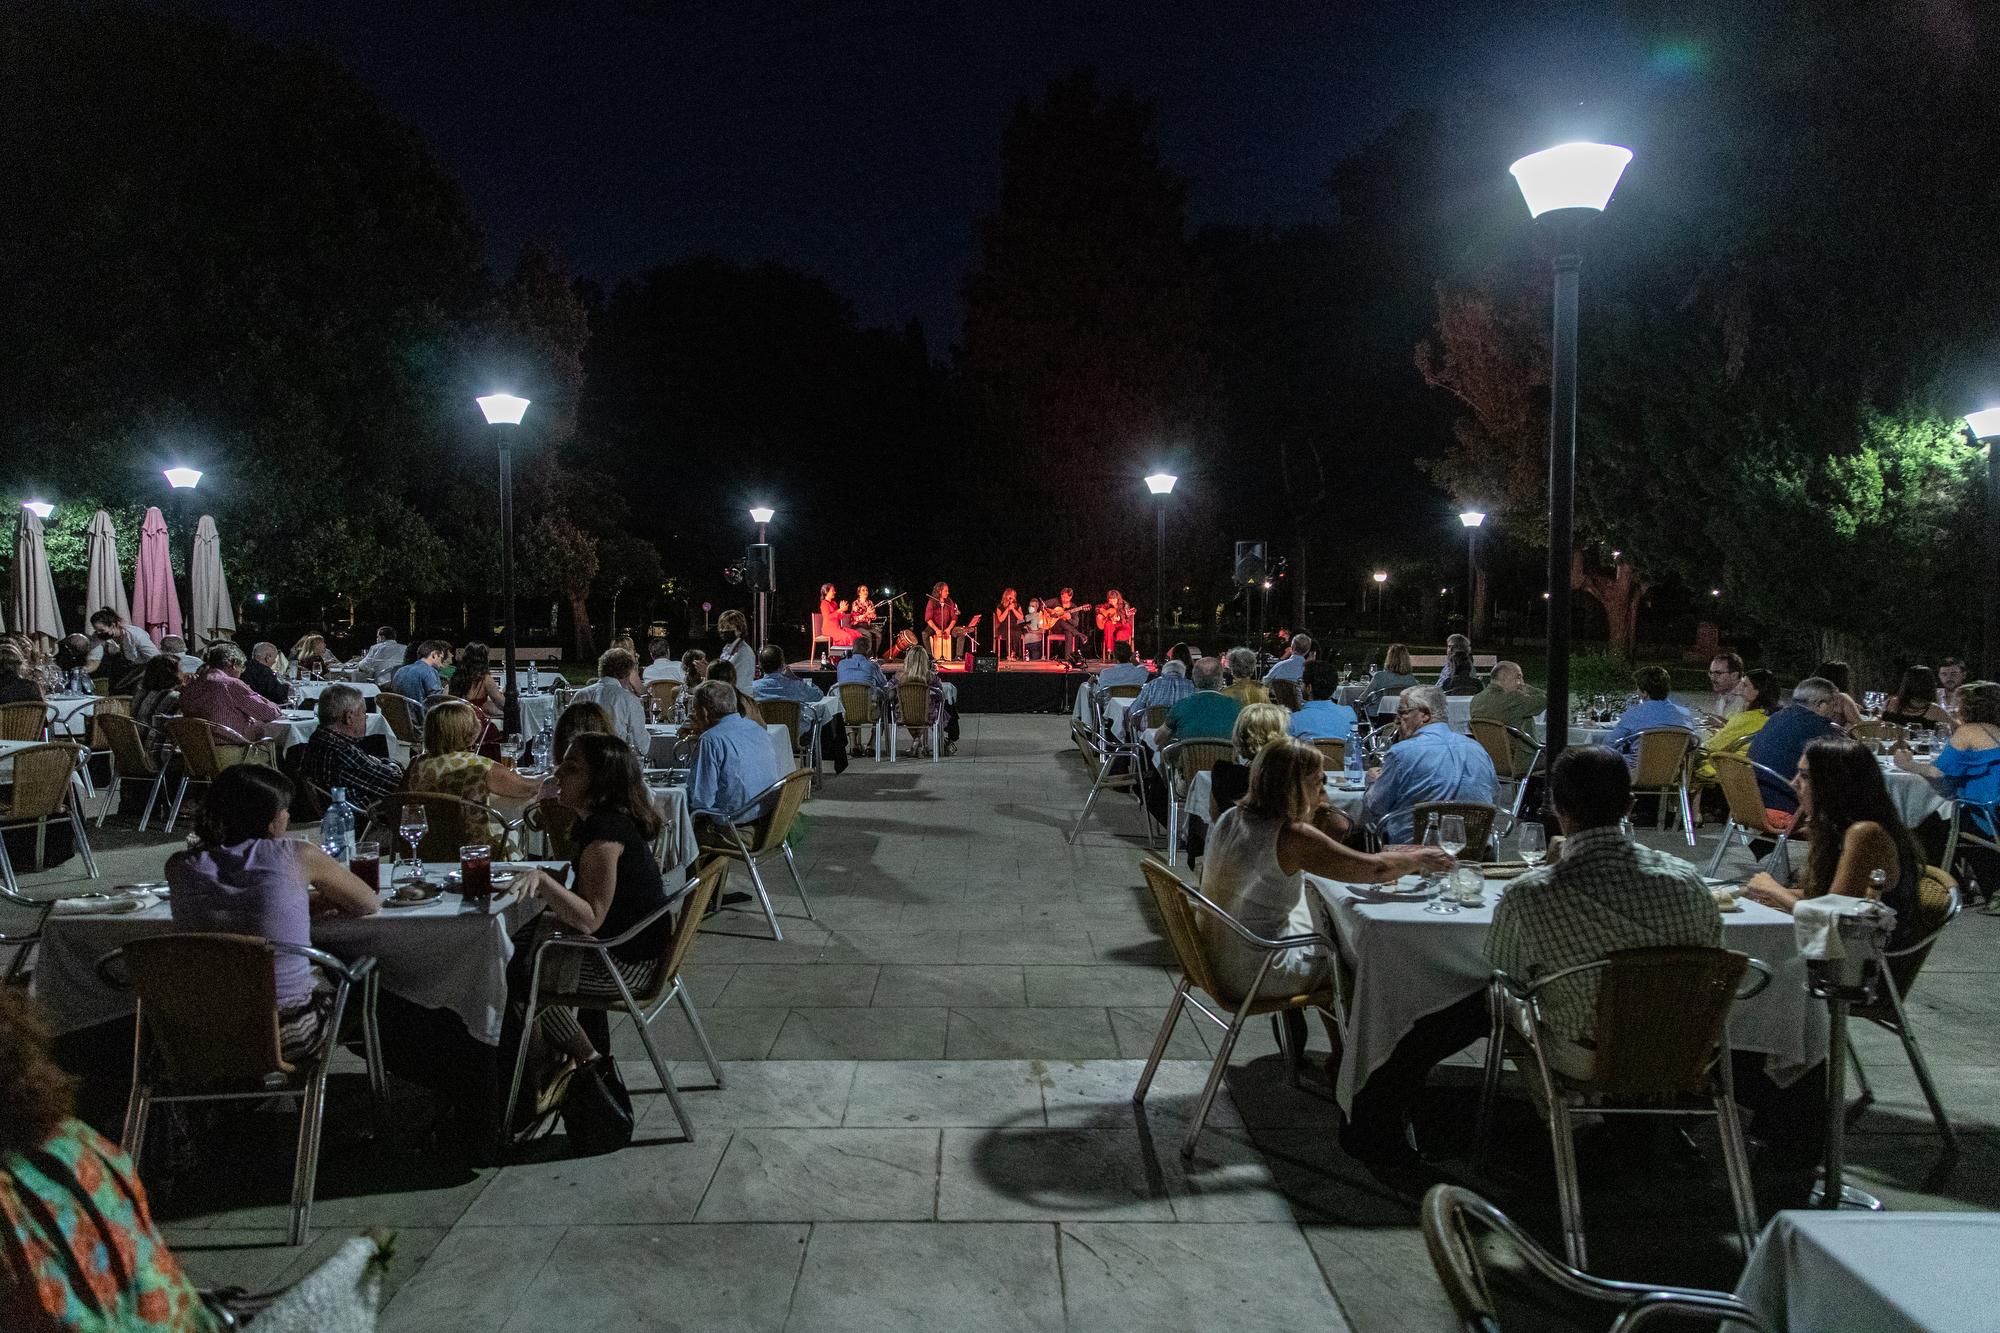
[(1256, 860)]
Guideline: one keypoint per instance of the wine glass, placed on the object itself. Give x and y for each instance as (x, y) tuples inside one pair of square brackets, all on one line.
[(413, 824), (1451, 834), (1533, 841), (1439, 886)]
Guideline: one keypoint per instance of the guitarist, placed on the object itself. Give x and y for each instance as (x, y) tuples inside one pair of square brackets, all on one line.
[(1062, 626), (1115, 618)]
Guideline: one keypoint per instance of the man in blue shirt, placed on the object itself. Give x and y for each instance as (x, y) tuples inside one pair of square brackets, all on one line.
[(1652, 713), (1122, 671), (1206, 712), (1430, 763), (733, 762), (1779, 742), (1292, 666), (1322, 718), (419, 680), (1163, 691), (776, 681)]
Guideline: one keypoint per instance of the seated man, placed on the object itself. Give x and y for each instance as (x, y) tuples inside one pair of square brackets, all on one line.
[(333, 757), (1429, 762), (1322, 717), (1163, 691), (617, 691), (1602, 893), (380, 662), (733, 763), (1292, 666), (217, 694), (175, 646), (663, 666), (1653, 712), (1784, 738), (1509, 700), (776, 681), (1205, 714), (419, 679), (1122, 671), (261, 673), (1244, 687)]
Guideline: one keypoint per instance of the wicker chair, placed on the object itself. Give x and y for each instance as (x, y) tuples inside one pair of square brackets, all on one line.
[(1665, 768), (1737, 776), (1479, 821), (454, 823), (26, 721), (1332, 752), (1182, 908), (405, 718), (645, 1004), (861, 713), (664, 693), (208, 1019), (913, 700), (749, 836), (790, 714), (205, 749), (1104, 756), (1938, 905), (1661, 1049), (554, 823), (1460, 1261), (1122, 691), (1183, 760), (1503, 744), (44, 788), (132, 746), (1156, 716)]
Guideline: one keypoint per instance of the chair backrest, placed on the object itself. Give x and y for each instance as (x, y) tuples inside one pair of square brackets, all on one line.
[(454, 823), (1183, 929), (1123, 691), (116, 705), (1492, 737), (1334, 751), (782, 713), (776, 825), (1388, 703), (1737, 776), (913, 703), (1478, 822), (1188, 758), (556, 823), (1660, 1013), (857, 704), (693, 908), (1663, 753), (41, 779), (196, 739), (818, 629), (129, 744), (210, 1005), (25, 721), (1937, 905), (1156, 716), (405, 719), (664, 693)]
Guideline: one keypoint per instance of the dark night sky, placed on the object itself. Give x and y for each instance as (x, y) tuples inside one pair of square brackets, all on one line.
[(859, 141)]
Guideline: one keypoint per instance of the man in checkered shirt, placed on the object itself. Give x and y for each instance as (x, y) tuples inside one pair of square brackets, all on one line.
[(1606, 893)]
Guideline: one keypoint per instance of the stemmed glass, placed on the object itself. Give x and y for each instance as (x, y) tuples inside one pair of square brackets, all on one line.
[(1447, 834), (1533, 841), (414, 823)]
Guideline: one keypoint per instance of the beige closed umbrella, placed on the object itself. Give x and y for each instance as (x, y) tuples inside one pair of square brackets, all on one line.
[(209, 609), (35, 609), (106, 586)]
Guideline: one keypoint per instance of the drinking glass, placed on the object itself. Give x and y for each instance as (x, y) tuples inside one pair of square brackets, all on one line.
[(1451, 834), (414, 823), (1534, 844), (475, 871), (1438, 886), (1625, 828), (1468, 885), (366, 863)]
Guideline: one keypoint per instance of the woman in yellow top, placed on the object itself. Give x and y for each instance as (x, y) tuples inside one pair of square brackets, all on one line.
[(453, 766), (1758, 689)]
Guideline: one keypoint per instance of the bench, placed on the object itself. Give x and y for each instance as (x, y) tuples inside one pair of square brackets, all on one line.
[(1435, 661)]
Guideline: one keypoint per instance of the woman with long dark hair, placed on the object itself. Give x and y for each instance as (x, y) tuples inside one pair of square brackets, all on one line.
[(1845, 810), (473, 682), (1914, 704)]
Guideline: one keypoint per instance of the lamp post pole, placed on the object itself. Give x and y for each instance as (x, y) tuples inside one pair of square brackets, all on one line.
[(1568, 185), (501, 409), (1161, 484), (1472, 519), (761, 516), (1985, 428)]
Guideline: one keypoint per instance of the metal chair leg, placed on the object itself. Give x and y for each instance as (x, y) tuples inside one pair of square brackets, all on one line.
[(111, 789), (1160, 1042), (1489, 1083), (793, 866), (1088, 801), (82, 840), (1214, 1084), (152, 798), (1920, 1068), (763, 897), (1569, 1194), (1736, 1161), (686, 1002), (305, 1168), (521, 1054), (1728, 836), (1687, 814), (7, 869), (180, 793), (653, 1053)]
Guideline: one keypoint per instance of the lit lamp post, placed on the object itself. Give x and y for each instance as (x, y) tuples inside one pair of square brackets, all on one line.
[(39, 508), (183, 481), (504, 409), (1566, 186), (1985, 427), (762, 515), (1471, 518), (1381, 586), (1162, 485)]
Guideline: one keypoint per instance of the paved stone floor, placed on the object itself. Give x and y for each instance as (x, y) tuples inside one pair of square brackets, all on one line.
[(927, 1119)]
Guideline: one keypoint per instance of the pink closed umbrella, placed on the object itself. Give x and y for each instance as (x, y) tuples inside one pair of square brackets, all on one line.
[(156, 606)]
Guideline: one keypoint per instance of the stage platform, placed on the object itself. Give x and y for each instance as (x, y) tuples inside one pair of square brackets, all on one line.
[(1017, 687)]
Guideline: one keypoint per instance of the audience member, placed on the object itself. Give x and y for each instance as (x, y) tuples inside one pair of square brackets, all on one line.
[(662, 666), (775, 679), (1124, 668), (1725, 673), (217, 694), (1292, 666), (1244, 687), (261, 673), (733, 762), (1321, 717), (1429, 762), (310, 657), (1207, 713), (618, 692), (380, 662), (452, 765), (724, 670), (15, 686), (917, 667), (1968, 771), (1757, 690), (1654, 712), (1515, 704), (419, 679), (157, 698), (333, 757), (1914, 704), (173, 645), (472, 680), (1780, 743), (1950, 677), (1841, 677), (1458, 675), (1163, 691), (1393, 678), (694, 667)]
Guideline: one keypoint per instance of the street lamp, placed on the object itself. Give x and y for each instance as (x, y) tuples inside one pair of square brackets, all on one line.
[(1381, 577), (39, 508), (761, 573), (1985, 427), (1162, 485), (1471, 518), (504, 409), (183, 478), (1567, 185)]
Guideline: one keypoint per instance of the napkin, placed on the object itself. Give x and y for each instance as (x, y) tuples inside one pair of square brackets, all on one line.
[(1817, 922)]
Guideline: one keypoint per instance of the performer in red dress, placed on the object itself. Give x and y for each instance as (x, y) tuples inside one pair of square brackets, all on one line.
[(1115, 618), (834, 626)]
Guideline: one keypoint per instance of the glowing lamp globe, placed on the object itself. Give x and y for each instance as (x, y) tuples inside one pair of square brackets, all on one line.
[(1381, 576), (762, 514), (503, 409), (39, 508), (1985, 425), (1472, 518), (1570, 176), (183, 478), (1161, 483)]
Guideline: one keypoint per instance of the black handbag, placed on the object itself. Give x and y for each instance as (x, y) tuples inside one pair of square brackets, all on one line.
[(597, 1109)]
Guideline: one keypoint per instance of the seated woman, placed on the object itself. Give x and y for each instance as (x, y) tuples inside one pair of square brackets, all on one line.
[(694, 667), (1393, 678), (1968, 769), (80, 1250), (243, 876), (833, 623), (453, 766), (1458, 675), (1258, 855), (1846, 712), (1914, 704), (617, 884), (1257, 725), (917, 668), (746, 706), (1854, 830), (1758, 689), (159, 697), (583, 718), (473, 682), (311, 658), (15, 685)]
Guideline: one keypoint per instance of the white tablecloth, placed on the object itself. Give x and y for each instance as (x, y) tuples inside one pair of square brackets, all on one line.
[(442, 955), (311, 690), (1915, 798), (298, 724), (781, 747), (537, 711), (676, 844), (1409, 963), (72, 713), (1854, 1272)]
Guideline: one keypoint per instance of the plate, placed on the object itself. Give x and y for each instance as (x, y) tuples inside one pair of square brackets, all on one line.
[(1389, 893), (426, 891), (101, 904)]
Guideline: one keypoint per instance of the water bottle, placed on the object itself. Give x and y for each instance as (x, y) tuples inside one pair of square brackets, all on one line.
[(534, 678), (336, 829), (545, 744)]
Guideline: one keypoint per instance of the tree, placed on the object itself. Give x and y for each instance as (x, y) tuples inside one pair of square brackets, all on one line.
[(562, 560)]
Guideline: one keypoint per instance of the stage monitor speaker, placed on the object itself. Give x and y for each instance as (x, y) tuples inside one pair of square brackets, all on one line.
[(986, 662), (1250, 562), (758, 569)]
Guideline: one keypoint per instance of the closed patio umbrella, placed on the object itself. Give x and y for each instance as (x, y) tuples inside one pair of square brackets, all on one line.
[(106, 588), (156, 605), (35, 610), (208, 592)]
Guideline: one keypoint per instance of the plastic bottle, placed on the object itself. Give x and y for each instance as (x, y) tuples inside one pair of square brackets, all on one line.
[(336, 829), (534, 678)]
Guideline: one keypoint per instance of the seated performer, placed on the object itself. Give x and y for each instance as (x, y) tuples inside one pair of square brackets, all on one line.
[(1114, 621), (833, 619), (1007, 626), (1031, 631), (861, 618), (1059, 627)]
